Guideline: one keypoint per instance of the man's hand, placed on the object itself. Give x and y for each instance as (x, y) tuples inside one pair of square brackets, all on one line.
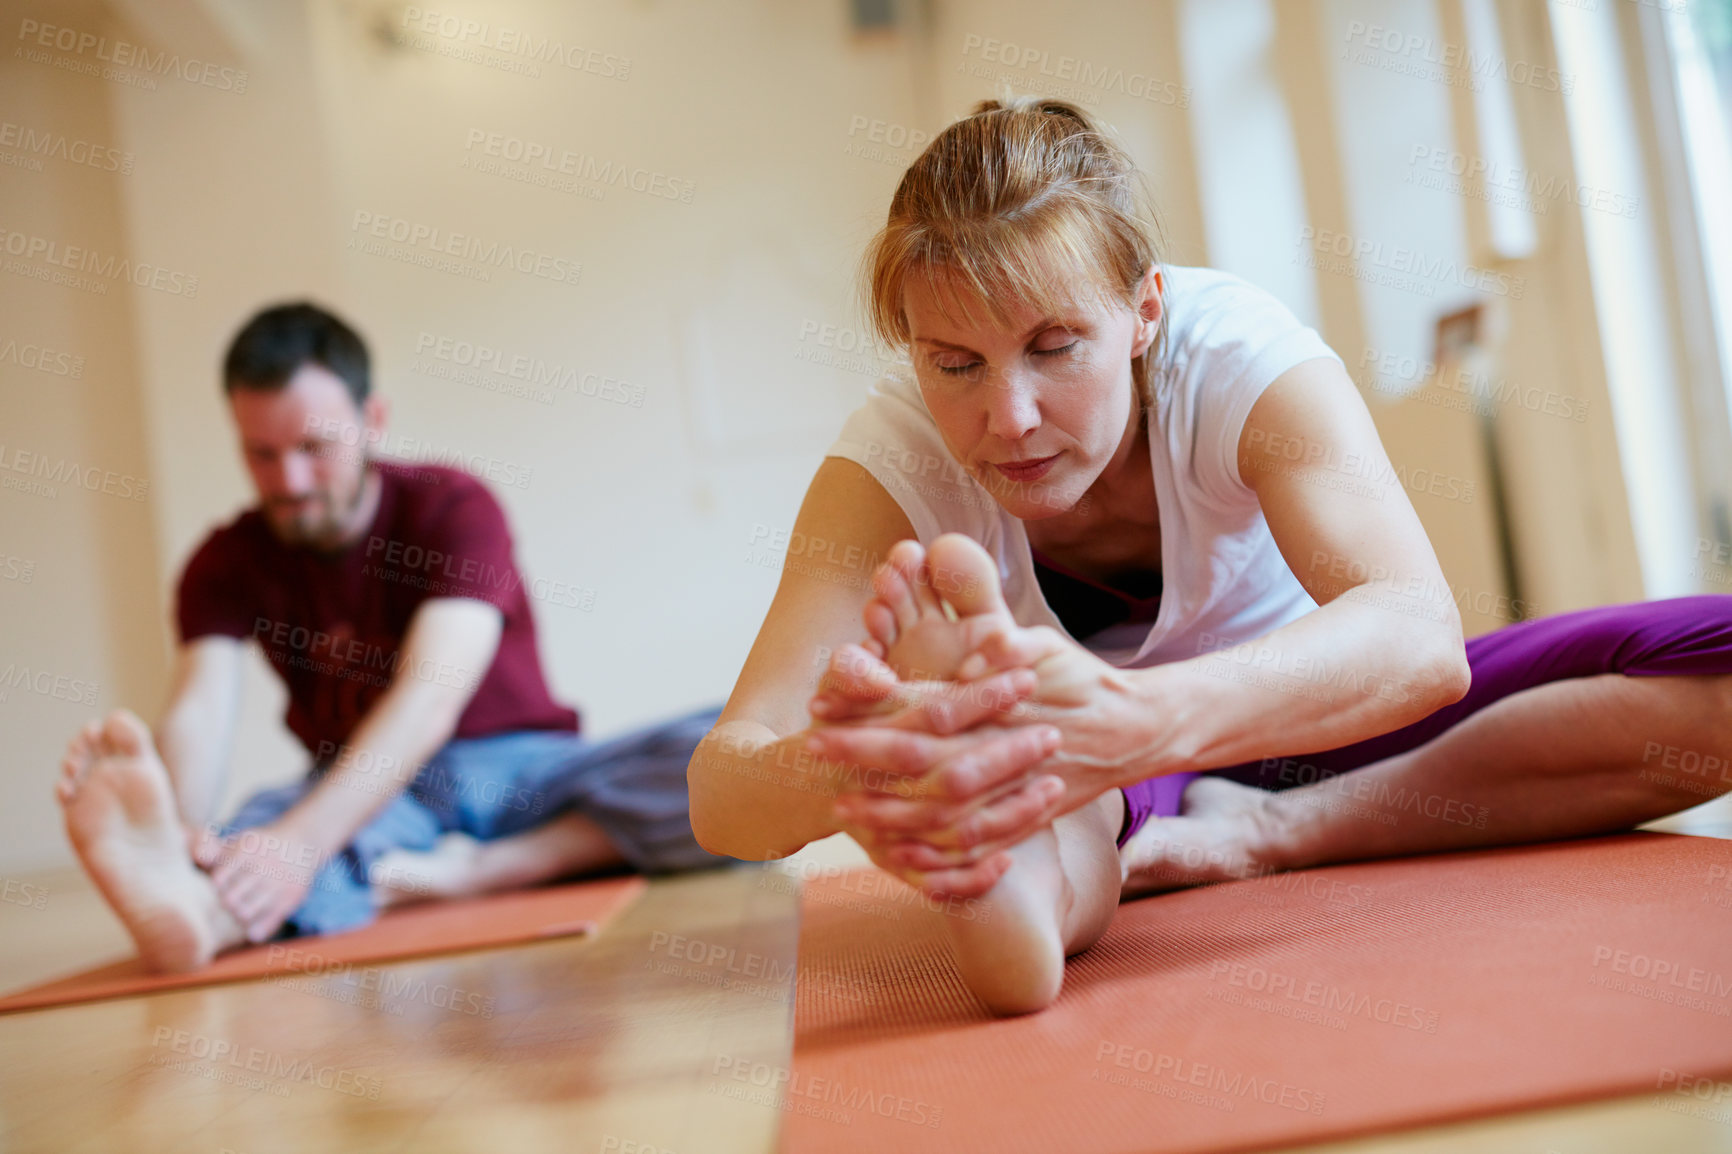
[(261, 874)]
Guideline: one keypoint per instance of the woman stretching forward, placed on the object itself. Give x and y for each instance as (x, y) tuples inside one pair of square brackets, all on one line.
[(1154, 608)]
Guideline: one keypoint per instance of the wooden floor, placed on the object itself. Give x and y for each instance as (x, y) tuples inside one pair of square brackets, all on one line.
[(563, 1046), (602, 1044)]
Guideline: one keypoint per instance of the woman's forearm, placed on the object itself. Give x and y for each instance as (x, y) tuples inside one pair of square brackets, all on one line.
[(1339, 675), (757, 796), (1360, 666)]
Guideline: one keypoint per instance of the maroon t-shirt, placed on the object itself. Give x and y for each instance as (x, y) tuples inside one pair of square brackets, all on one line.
[(332, 624)]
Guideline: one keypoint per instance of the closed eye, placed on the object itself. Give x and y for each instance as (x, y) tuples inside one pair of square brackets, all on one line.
[(973, 366)]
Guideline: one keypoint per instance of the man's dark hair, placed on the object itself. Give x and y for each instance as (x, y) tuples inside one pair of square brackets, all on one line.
[(280, 339)]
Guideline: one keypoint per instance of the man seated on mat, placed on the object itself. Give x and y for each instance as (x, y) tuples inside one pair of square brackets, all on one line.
[(387, 600)]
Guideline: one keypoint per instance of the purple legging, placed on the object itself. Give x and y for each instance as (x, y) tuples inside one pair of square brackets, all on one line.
[(1685, 635)]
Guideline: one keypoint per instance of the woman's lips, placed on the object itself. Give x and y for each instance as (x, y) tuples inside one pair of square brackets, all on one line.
[(1029, 469)]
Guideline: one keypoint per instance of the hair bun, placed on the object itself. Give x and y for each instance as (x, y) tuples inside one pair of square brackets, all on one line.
[(1030, 102), (1065, 109)]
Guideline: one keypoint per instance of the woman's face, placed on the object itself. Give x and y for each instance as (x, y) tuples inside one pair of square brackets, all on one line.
[(1038, 410)]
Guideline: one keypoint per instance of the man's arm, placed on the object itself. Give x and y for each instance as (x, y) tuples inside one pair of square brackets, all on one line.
[(197, 731), (448, 649), (450, 644)]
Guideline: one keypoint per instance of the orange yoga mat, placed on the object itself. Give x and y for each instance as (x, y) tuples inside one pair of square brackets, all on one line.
[(409, 932), (1269, 1013)]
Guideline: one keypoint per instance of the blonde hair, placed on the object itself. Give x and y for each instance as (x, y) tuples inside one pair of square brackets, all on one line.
[(1021, 200)]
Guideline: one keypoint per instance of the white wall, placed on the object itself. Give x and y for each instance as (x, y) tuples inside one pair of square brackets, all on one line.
[(81, 605), (733, 317)]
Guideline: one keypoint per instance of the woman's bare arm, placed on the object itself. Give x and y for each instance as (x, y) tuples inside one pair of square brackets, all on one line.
[(755, 792), (1385, 647), (1383, 650)]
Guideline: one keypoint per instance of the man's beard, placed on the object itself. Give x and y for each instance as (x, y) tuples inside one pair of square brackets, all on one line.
[(323, 527)]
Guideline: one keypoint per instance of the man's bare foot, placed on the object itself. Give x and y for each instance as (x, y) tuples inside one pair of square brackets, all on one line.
[(448, 870), (120, 813), (460, 866), (911, 589), (1221, 834)]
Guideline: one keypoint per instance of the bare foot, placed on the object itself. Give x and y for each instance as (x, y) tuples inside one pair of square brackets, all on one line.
[(912, 589), (1055, 900), (932, 609), (941, 614), (120, 813), (459, 866), (448, 870), (1008, 942), (1220, 835)]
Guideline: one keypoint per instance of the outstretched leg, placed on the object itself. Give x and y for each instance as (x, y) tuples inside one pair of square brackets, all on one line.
[(932, 608), (1573, 758), (1583, 723), (461, 866), (120, 813), (1568, 759)]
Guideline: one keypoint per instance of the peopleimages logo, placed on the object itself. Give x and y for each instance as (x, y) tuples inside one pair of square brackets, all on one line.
[(51, 252), (580, 166), (533, 371), (43, 359), (1398, 266), (206, 1055), (1530, 189), (46, 683), (1430, 58), (124, 54), (1116, 1061), (46, 472), (787, 1089), (465, 36), (59, 146), (1086, 74), (412, 242)]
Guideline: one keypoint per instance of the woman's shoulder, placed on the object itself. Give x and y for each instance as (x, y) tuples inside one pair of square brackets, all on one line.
[(894, 438), (1220, 324), (1227, 341), (1210, 302), (892, 416)]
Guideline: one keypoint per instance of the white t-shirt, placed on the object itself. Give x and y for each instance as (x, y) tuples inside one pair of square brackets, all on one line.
[(1223, 579)]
